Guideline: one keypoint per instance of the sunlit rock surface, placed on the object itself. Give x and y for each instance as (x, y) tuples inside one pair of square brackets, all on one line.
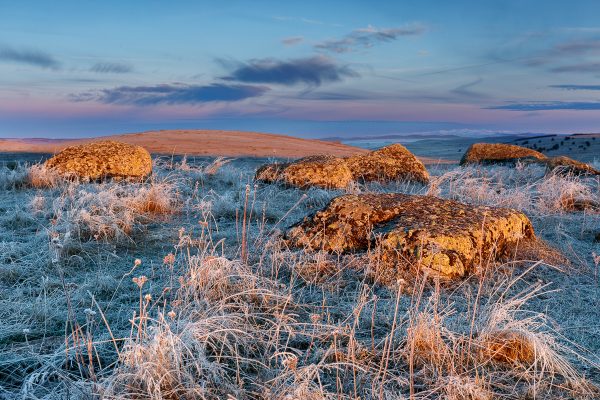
[(493, 153), (445, 236), (323, 171), (389, 163), (99, 160), (393, 162)]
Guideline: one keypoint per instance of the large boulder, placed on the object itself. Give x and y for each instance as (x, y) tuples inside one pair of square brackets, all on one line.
[(328, 172), (390, 163), (566, 165), (393, 162), (494, 153), (105, 159), (444, 236)]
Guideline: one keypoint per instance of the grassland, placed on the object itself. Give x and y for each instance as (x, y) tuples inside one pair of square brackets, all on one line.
[(181, 288)]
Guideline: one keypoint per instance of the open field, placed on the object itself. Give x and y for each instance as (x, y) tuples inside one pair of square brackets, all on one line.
[(181, 287)]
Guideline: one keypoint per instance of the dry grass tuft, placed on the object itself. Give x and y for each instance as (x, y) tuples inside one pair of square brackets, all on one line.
[(317, 269), (425, 343), (214, 166), (511, 347), (155, 199), (217, 329), (41, 177), (466, 388)]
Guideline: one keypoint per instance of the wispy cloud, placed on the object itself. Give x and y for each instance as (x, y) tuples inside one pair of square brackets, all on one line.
[(308, 21), (582, 29), (576, 47), (561, 53), (36, 58), (312, 71), (548, 105), (111, 68), (368, 37), (576, 87), (334, 96), (292, 41), (583, 67), (172, 94), (465, 90)]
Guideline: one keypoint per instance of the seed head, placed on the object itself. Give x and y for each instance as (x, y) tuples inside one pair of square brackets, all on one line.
[(140, 281), (315, 318), (169, 259)]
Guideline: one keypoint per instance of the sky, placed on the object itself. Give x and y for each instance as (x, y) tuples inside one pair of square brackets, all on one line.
[(310, 68)]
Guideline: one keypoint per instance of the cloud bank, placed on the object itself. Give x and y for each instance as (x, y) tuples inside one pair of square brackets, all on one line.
[(548, 105), (312, 71), (583, 67), (172, 94), (30, 57), (576, 87)]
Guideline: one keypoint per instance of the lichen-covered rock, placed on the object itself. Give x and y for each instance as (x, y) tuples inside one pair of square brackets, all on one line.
[(105, 159), (389, 163), (494, 153), (567, 165), (393, 162), (444, 236), (323, 171)]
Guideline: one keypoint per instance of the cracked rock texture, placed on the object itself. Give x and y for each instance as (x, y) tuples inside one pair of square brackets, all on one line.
[(105, 159), (444, 236)]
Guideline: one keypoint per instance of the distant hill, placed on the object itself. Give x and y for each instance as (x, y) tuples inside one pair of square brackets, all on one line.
[(581, 146), (197, 142)]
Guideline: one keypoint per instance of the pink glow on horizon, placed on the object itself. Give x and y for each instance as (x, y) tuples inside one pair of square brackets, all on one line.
[(313, 110)]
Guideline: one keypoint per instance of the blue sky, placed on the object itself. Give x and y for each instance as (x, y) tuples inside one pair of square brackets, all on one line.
[(82, 68)]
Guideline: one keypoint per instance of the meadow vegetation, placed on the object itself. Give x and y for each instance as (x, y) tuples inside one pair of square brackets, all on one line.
[(183, 287)]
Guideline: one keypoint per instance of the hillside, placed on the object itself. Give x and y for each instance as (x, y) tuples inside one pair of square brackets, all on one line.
[(581, 146), (197, 142)]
